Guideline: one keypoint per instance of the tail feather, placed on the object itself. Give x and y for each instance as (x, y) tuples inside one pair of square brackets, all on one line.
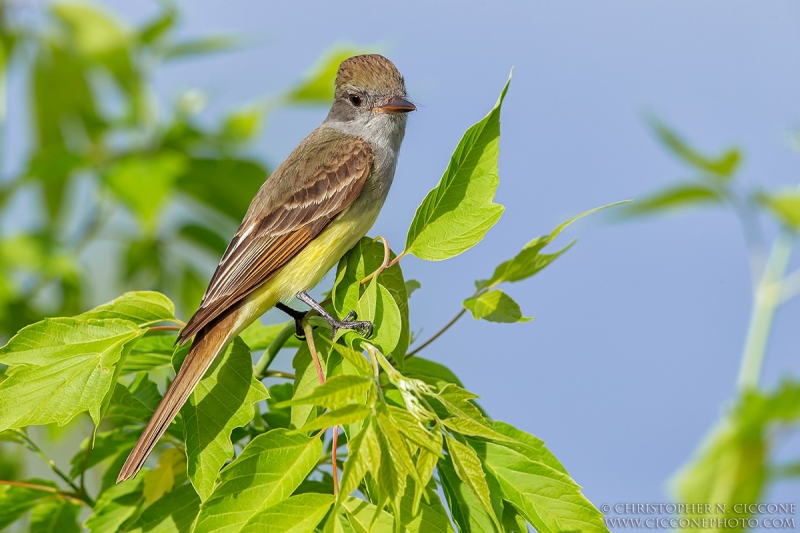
[(207, 344)]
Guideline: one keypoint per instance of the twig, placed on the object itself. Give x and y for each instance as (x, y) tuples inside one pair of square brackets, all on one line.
[(753, 238), (309, 331), (767, 298), (44, 488), (387, 255), (437, 335), (260, 370), (60, 473), (278, 374)]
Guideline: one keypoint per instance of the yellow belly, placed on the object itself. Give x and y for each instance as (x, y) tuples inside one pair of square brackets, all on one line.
[(308, 267)]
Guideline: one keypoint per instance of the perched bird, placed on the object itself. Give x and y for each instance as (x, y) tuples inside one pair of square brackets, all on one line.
[(313, 208)]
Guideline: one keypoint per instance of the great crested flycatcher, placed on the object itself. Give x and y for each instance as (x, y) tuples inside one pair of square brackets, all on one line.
[(313, 208)]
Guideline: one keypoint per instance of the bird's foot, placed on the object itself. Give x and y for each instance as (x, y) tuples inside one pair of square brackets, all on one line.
[(363, 327)]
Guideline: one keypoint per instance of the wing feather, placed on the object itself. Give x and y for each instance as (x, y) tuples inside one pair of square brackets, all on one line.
[(283, 218)]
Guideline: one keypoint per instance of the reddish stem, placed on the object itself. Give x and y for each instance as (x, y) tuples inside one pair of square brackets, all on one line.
[(333, 461)]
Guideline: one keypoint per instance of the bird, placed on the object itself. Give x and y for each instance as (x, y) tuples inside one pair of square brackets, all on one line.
[(309, 212)]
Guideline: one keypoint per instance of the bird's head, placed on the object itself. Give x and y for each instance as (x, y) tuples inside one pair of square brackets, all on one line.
[(368, 86)]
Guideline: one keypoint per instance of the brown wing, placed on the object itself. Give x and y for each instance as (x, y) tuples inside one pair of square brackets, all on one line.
[(317, 181)]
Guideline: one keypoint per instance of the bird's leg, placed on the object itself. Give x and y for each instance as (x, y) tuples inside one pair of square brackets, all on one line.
[(362, 326), (298, 317)]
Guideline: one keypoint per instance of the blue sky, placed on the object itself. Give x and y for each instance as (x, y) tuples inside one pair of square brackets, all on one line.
[(638, 332)]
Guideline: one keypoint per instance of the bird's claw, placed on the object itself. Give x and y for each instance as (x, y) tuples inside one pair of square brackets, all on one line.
[(363, 327)]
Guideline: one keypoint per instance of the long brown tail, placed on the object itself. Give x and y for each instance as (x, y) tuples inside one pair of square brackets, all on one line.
[(207, 344)]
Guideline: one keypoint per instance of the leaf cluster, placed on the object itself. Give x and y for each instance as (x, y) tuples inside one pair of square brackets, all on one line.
[(401, 430)]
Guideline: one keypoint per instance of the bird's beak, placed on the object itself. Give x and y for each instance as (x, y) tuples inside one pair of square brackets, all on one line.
[(396, 104)]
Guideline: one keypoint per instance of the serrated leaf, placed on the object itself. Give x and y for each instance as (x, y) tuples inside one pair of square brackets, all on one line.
[(530, 260), (723, 166), (472, 428), (297, 514), (346, 415), (363, 455), (784, 206), (528, 445), (134, 405), (458, 212), (335, 391), (267, 471), (495, 306), (429, 517), (412, 428), (55, 516), (143, 308), (674, 198), (316, 88), (468, 512), (548, 499), (467, 466), (173, 513), (222, 401), (61, 367), (161, 479), (116, 505), (16, 501), (354, 357)]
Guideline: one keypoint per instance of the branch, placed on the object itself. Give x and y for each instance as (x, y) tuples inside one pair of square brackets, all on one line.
[(44, 488), (438, 334)]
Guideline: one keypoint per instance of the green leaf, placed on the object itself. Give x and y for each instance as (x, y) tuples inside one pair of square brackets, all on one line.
[(723, 166), (431, 517), (548, 499), (468, 512), (467, 466), (528, 445), (16, 501), (363, 455), (316, 88), (173, 513), (495, 306), (411, 286), (134, 405), (144, 308), (530, 260), (116, 506), (731, 465), (365, 517), (149, 353), (306, 378), (61, 367), (386, 307), (298, 514), (56, 516), (268, 471), (674, 198), (95, 32), (226, 185), (472, 428), (277, 417), (458, 212), (335, 391), (346, 415), (221, 402), (201, 46), (161, 479), (154, 30), (145, 183), (430, 372), (242, 125), (784, 206)]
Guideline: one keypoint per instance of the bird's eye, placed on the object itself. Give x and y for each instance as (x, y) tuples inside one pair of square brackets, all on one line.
[(355, 100)]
